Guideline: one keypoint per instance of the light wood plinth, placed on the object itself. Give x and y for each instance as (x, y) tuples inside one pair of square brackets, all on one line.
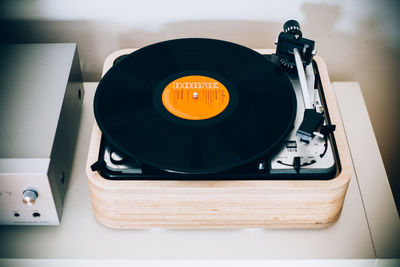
[(222, 204)]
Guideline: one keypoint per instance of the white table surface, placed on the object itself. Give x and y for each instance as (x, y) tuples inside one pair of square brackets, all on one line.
[(367, 229)]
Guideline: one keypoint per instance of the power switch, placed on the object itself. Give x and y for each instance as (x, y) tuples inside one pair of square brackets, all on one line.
[(30, 196)]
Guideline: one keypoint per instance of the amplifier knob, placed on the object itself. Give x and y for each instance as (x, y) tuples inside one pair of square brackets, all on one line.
[(30, 196)]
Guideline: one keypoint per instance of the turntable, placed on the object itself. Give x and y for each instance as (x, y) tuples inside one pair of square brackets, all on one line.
[(203, 133)]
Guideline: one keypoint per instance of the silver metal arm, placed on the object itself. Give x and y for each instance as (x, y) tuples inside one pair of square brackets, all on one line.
[(302, 79)]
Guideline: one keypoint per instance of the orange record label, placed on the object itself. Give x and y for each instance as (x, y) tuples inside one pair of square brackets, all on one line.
[(195, 97)]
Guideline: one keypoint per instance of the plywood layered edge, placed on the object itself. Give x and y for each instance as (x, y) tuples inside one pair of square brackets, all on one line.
[(222, 204)]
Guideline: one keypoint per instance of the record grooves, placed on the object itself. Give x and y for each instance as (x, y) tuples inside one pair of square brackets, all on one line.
[(132, 116)]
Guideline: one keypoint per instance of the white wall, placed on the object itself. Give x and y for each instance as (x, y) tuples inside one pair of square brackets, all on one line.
[(359, 40)]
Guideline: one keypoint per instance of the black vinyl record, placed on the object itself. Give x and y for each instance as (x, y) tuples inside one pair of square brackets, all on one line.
[(137, 108)]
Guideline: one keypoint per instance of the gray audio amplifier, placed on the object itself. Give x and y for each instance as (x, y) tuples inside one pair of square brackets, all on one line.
[(41, 95)]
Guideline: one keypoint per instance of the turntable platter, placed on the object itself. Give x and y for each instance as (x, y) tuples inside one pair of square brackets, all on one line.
[(195, 105)]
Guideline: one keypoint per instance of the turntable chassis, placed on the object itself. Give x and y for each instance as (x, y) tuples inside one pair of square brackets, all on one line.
[(135, 204)]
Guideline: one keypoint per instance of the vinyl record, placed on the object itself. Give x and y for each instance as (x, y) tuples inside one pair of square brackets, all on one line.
[(195, 105)]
